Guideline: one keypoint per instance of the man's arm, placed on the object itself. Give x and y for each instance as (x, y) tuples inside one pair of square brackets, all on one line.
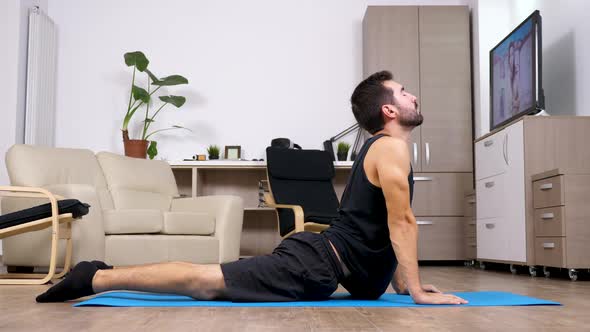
[(398, 284), (393, 167)]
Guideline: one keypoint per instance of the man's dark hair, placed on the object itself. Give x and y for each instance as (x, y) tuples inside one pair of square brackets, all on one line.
[(367, 99)]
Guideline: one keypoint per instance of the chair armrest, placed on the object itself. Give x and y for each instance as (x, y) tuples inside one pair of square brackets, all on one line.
[(87, 234), (297, 211), (30, 192), (229, 216)]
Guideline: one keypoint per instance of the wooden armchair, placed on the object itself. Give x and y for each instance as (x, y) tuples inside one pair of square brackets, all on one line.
[(38, 218), (301, 189)]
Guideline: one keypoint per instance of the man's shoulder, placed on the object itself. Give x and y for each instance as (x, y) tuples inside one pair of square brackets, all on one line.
[(389, 147), (390, 141), (388, 155)]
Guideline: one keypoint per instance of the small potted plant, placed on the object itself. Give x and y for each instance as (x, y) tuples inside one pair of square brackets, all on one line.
[(343, 148), (213, 151)]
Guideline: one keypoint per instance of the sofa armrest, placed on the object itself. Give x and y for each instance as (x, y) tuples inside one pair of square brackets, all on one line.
[(31, 249), (229, 216)]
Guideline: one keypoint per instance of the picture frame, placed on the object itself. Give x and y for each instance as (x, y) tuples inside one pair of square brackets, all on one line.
[(233, 152)]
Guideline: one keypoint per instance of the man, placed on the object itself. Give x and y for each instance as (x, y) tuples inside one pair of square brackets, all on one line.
[(361, 250)]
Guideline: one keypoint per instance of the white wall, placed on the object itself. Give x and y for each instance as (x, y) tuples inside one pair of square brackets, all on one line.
[(13, 35), (13, 66), (9, 33), (566, 74), (257, 69)]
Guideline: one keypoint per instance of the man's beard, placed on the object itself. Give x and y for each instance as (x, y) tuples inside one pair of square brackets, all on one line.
[(410, 117)]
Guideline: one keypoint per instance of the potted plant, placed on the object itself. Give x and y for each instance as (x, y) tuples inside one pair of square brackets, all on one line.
[(343, 148), (213, 151), (139, 97)]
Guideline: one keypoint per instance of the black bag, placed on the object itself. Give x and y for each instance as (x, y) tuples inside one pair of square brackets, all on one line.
[(284, 143)]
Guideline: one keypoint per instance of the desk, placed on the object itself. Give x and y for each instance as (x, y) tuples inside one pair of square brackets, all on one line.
[(240, 178)]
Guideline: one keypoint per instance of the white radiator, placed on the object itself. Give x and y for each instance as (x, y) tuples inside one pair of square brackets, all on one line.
[(41, 80)]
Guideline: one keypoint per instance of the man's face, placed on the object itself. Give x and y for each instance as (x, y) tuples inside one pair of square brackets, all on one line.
[(407, 105)]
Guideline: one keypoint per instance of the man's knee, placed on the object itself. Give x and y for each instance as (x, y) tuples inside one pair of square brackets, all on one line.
[(206, 282)]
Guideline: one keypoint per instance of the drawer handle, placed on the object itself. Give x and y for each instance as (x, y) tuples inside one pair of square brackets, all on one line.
[(546, 216), (471, 201), (472, 223), (490, 184), (490, 226), (422, 178), (422, 222), (548, 245), (473, 244), (488, 143), (546, 186)]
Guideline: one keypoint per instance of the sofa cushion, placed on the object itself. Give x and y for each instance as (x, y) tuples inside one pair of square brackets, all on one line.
[(41, 166), (188, 223), (125, 173), (132, 221), (124, 199)]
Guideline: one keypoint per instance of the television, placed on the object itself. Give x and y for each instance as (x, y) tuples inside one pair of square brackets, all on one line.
[(515, 74)]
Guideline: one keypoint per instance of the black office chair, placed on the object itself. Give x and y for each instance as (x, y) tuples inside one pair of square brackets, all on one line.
[(301, 189)]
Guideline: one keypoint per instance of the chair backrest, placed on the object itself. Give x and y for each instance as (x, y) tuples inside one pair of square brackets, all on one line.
[(138, 183), (40, 166), (301, 177)]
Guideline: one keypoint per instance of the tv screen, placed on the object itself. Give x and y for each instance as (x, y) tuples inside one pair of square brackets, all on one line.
[(515, 73)]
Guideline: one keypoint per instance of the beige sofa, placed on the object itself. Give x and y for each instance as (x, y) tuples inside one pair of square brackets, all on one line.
[(136, 215)]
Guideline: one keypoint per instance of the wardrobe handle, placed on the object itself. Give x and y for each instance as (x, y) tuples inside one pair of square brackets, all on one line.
[(546, 186), (490, 184), (545, 216), (415, 153), (427, 153), (490, 226), (422, 178), (548, 245), (422, 222), (488, 143)]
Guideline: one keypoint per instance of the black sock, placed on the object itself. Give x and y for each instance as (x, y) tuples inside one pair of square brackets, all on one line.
[(78, 283), (101, 265)]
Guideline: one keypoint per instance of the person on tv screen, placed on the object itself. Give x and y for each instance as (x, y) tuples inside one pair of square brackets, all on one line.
[(514, 67)]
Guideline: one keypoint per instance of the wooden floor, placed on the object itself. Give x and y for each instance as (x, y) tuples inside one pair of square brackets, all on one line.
[(19, 312)]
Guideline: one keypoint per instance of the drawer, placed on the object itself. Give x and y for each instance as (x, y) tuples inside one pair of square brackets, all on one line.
[(490, 156), (469, 206), (470, 248), (469, 227), (550, 251), (548, 192), (440, 194), (492, 242), (440, 238), (490, 197), (550, 221)]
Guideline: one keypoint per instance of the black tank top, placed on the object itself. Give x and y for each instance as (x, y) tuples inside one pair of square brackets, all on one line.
[(361, 234)]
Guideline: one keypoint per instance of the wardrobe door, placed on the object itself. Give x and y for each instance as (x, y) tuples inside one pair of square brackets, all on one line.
[(391, 42), (445, 89)]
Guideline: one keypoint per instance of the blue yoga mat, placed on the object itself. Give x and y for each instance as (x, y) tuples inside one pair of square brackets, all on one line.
[(476, 299)]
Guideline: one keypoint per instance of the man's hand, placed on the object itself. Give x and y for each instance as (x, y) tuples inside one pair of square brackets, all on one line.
[(405, 291), (425, 297)]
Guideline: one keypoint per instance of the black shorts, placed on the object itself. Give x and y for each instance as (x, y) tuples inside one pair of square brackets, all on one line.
[(302, 267)]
